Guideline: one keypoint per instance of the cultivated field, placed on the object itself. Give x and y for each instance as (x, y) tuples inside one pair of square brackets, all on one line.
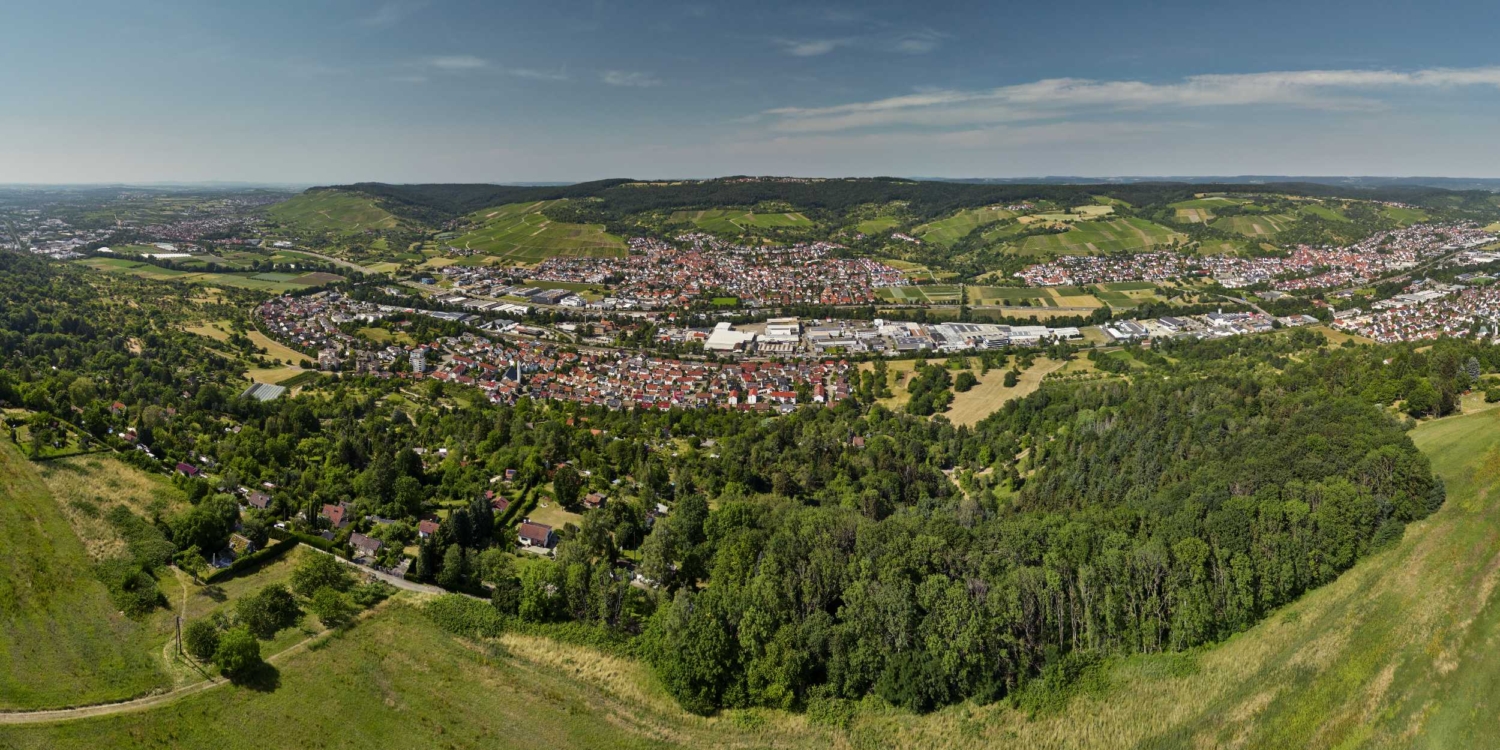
[(734, 221), (1009, 296), (1099, 237), (949, 230), (1257, 225), (520, 233), (335, 211), (275, 283), (925, 294)]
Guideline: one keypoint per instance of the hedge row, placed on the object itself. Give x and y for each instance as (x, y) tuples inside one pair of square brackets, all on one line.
[(311, 541), (252, 560)]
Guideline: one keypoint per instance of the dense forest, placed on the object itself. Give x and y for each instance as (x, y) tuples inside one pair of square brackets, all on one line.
[(795, 561)]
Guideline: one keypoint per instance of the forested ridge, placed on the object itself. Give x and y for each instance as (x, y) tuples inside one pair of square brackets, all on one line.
[(811, 559)]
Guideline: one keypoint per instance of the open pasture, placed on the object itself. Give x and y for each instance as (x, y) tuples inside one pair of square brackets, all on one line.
[(951, 229)]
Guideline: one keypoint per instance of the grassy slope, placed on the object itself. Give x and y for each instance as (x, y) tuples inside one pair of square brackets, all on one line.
[(395, 681), (61, 641), (1098, 237), (1396, 653), (332, 211), (951, 229)]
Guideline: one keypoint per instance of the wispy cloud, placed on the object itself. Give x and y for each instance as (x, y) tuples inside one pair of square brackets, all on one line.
[(1052, 98), (409, 79), (810, 47), (458, 62), (389, 14), (538, 75), (919, 42), (629, 78)]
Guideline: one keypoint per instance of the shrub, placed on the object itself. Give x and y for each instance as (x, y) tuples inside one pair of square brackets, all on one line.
[(334, 608), (238, 653), (131, 587), (201, 640), (464, 616), (267, 612), (318, 572)]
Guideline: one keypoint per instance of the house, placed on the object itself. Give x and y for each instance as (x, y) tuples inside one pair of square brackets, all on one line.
[(535, 535), (259, 500), (117, 408), (426, 528), (365, 546), (499, 504), (187, 470), (593, 500), (338, 515)]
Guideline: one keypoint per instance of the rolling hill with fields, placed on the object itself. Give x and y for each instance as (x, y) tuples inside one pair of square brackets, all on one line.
[(332, 212), (522, 232)]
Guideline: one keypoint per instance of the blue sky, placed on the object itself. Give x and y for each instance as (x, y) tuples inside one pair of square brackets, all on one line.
[(407, 90)]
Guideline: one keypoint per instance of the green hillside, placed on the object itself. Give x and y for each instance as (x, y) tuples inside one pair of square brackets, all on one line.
[(951, 229), (521, 232), (332, 211), (736, 221), (1099, 237), (61, 640)]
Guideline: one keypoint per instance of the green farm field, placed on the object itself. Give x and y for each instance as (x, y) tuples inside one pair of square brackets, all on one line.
[(735, 221), (520, 232), (332, 211), (1099, 237)]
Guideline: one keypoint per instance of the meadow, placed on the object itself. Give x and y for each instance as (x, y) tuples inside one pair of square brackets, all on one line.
[(1100, 237), (521, 233), (982, 400), (332, 211), (62, 642)]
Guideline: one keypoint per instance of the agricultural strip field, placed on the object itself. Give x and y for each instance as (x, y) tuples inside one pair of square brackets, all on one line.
[(733, 221), (925, 294), (521, 233), (1099, 237), (334, 211), (1255, 225), (947, 231), (1009, 296), (62, 642)]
